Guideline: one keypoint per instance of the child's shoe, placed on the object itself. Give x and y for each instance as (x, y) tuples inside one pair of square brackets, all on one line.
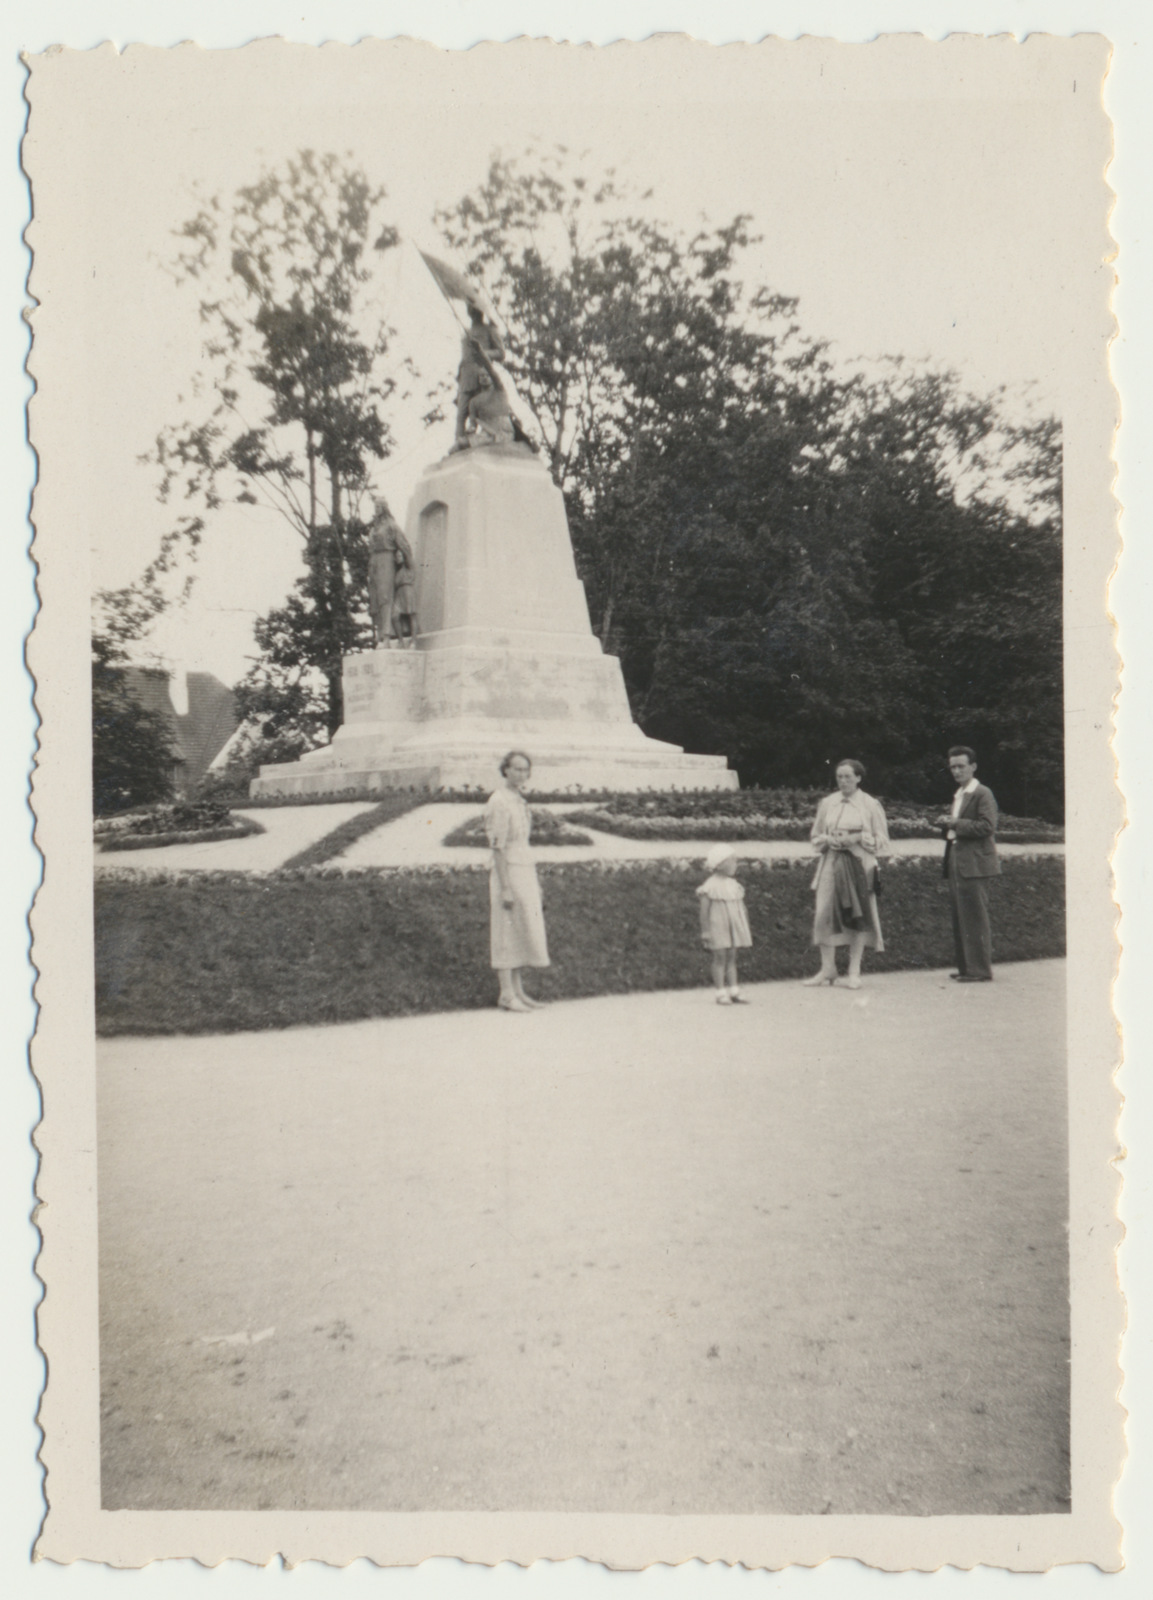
[(736, 998), (723, 997)]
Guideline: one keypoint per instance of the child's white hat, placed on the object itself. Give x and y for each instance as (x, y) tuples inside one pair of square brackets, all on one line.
[(717, 855)]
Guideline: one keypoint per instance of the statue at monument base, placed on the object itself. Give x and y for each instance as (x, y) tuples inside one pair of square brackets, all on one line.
[(391, 575), (504, 657)]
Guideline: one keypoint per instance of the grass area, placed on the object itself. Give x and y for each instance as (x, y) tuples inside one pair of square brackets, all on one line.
[(337, 841), (222, 952)]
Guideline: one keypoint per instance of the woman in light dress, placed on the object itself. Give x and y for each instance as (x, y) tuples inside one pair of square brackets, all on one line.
[(516, 914), (849, 832)]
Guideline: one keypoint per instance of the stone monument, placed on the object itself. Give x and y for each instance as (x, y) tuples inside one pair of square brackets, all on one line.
[(503, 652)]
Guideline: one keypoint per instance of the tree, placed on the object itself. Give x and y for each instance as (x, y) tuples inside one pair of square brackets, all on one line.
[(793, 564), (296, 393), (695, 433), (132, 754), (279, 690), (959, 514)]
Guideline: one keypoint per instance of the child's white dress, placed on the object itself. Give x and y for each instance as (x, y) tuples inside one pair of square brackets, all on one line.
[(725, 926)]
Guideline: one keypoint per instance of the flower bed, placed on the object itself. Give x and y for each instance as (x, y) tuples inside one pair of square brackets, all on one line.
[(547, 828), (706, 814), (178, 814), (768, 814), (337, 797), (666, 802), (183, 822), (240, 828), (750, 826)]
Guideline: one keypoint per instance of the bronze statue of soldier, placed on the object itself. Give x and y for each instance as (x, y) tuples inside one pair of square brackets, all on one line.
[(484, 414), (480, 346), (489, 419)]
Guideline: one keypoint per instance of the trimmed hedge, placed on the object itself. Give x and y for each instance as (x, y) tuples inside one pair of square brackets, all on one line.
[(222, 952)]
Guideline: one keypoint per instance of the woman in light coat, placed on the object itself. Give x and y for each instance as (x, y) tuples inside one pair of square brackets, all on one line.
[(516, 917), (849, 833)]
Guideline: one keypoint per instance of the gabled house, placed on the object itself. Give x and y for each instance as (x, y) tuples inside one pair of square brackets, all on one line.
[(198, 734)]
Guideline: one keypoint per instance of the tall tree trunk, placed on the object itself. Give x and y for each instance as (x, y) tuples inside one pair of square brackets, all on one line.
[(337, 606), (311, 447), (335, 714)]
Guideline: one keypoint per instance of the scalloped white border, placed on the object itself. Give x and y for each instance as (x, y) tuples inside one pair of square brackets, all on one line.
[(493, 1552)]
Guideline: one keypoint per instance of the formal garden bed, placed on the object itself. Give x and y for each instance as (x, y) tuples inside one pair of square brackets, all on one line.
[(679, 814), (769, 814), (676, 814), (182, 822), (547, 828), (753, 814), (222, 952), (337, 797), (336, 842)]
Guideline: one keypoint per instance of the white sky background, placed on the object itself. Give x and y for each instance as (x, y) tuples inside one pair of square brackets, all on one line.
[(459, 23), (969, 291)]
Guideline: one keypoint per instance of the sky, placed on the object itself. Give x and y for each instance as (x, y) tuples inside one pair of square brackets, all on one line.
[(915, 220)]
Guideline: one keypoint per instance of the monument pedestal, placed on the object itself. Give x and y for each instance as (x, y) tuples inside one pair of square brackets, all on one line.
[(505, 658)]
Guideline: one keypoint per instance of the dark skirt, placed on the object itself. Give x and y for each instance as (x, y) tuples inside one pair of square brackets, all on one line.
[(830, 924)]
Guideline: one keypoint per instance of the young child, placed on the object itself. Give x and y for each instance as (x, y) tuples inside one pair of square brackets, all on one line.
[(724, 922)]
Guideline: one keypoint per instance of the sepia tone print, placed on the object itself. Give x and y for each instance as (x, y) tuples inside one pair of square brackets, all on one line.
[(576, 1001)]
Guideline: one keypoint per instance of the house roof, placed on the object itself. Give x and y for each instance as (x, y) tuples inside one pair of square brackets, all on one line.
[(210, 722), (148, 686), (200, 733)]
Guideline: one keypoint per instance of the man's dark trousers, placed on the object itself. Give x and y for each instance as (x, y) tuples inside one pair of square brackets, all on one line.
[(970, 861), (972, 936)]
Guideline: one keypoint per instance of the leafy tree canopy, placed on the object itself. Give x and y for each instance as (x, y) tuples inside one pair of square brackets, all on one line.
[(132, 755), (294, 404), (793, 562)]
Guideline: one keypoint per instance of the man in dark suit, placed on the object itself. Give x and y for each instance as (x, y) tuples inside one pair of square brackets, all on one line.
[(970, 861)]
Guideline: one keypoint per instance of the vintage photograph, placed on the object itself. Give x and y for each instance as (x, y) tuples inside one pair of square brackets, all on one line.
[(585, 954)]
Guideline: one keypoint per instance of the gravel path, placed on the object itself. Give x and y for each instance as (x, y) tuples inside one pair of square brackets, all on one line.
[(633, 1254)]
